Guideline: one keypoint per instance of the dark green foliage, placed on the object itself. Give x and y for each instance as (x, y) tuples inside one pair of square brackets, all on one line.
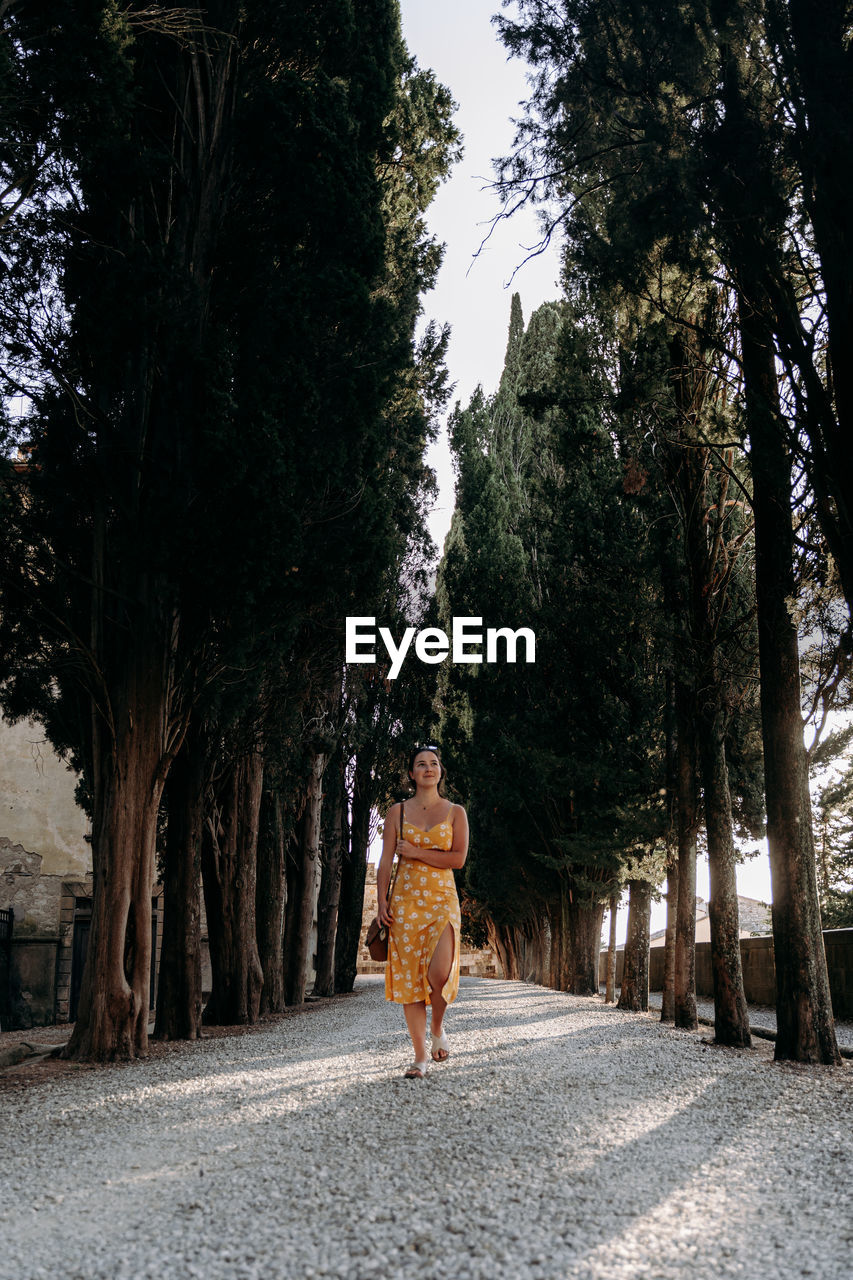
[(672, 139), (561, 760), (265, 458), (680, 430), (664, 134)]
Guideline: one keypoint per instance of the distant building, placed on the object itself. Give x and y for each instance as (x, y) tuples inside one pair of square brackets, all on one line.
[(754, 918)]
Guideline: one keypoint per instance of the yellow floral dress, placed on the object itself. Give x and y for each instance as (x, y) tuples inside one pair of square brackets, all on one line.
[(424, 903)]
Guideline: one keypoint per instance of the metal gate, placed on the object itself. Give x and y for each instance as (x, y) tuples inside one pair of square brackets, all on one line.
[(7, 924), (80, 945)]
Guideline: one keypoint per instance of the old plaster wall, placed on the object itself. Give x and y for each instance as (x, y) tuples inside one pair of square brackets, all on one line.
[(33, 896), (38, 810)]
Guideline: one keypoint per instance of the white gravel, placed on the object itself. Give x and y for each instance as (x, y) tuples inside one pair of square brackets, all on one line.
[(563, 1139)]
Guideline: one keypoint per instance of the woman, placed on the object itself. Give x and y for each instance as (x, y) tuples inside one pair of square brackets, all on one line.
[(423, 915)]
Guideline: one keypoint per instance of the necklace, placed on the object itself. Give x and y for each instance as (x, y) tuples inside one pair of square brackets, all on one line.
[(425, 808)]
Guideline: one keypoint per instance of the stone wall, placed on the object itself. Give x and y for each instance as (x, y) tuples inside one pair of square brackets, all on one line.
[(479, 964), (33, 896), (39, 979), (759, 973)]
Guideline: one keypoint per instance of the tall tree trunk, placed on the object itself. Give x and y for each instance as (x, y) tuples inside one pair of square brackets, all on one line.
[(179, 987), (330, 883), (522, 939), (667, 1009), (564, 957), (542, 952), (634, 994), (731, 1016), (293, 871), (610, 984), (298, 945), (687, 475), (555, 925), (353, 875), (805, 1026), (270, 900), (129, 774), (583, 923), (229, 877), (684, 975), (564, 973), (531, 952), (501, 937)]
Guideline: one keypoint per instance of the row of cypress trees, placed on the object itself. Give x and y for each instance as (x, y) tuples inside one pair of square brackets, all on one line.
[(664, 466), (213, 255), (589, 509)]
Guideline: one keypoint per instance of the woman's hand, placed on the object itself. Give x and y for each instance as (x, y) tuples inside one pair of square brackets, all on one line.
[(407, 850), (384, 915)]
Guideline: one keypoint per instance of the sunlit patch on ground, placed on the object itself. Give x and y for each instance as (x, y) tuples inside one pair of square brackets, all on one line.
[(563, 1139)]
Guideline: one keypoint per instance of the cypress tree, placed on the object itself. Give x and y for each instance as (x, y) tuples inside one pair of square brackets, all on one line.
[(198, 480), (683, 181), (544, 535)]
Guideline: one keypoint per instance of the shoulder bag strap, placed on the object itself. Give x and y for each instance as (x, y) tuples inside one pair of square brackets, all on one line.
[(393, 879)]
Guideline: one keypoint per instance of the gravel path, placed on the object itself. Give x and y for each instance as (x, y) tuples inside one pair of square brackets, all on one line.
[(563, 1140)]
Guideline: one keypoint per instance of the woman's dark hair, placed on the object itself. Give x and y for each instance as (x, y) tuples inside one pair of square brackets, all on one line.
[(428, 746)]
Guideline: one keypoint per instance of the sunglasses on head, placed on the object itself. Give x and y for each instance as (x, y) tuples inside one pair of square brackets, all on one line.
[(427, 746)]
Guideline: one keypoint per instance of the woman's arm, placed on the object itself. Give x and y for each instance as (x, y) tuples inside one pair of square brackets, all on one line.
[(434, 857), (383, 871), (453, 857)]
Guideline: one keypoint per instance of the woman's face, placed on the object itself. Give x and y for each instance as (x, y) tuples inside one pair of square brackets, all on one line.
[(426, 769)]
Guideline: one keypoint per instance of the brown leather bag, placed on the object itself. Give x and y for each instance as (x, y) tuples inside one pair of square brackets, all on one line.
[(376, 940)]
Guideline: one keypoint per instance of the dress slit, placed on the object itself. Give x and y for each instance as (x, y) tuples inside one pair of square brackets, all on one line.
[(448, 924)]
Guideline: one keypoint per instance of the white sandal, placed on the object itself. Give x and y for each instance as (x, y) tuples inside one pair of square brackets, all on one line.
[(417, 1070), (439, 1046)]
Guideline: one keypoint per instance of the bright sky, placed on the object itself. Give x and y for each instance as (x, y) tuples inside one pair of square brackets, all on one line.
[(457, 40)]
